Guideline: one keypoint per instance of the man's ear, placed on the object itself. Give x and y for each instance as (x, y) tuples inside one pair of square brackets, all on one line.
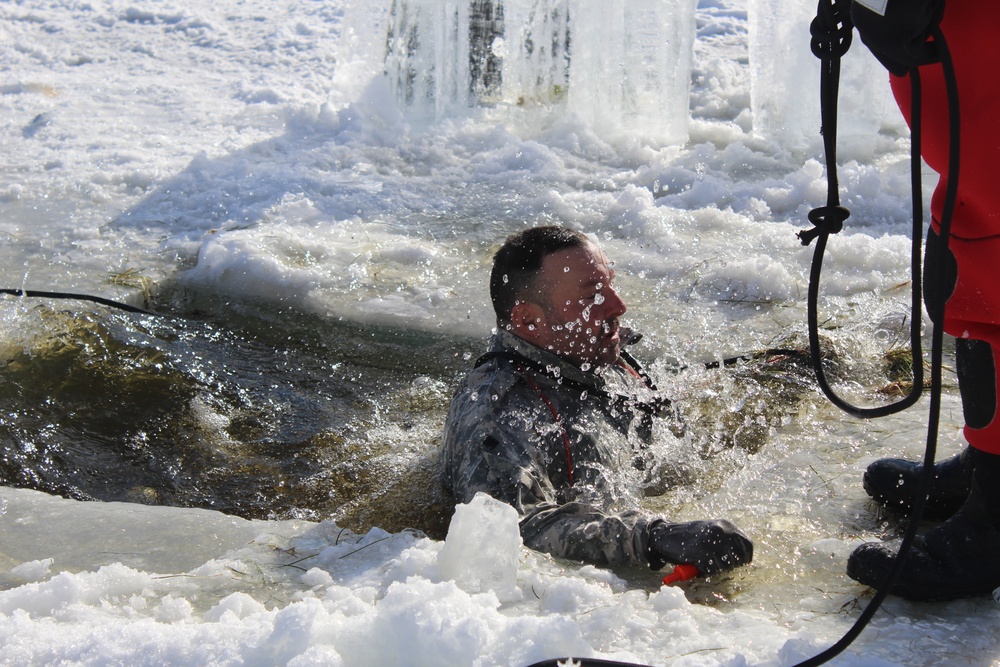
[(523, 315)]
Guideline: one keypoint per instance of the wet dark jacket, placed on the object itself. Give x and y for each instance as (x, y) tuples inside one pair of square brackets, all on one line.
[(563, 446)]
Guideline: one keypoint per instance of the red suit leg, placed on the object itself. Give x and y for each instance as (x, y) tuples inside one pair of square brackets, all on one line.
[(972, 311)]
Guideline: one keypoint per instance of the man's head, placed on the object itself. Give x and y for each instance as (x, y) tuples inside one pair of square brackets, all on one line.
[(552, 287)]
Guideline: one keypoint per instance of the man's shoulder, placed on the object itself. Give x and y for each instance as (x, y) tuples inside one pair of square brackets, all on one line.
[(480, 420), (487, 383)]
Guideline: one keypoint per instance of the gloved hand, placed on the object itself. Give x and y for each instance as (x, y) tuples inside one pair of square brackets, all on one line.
[(899, 38), (711, 546)]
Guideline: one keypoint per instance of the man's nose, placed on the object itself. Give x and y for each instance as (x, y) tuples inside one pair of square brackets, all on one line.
[(616, 306)]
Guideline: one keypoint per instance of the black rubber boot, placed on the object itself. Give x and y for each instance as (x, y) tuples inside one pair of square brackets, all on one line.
[(893, 484), (959, 558)]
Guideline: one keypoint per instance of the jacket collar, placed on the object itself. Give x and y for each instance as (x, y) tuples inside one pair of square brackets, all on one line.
[(558, 367)]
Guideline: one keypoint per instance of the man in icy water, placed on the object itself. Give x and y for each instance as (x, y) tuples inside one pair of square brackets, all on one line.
[(554, 418)]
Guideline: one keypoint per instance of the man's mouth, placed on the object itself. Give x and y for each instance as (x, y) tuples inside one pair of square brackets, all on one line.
[(612, 331)]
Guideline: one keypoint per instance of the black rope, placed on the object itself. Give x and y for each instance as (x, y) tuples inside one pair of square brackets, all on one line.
[(584, 662), (831, 31), (937, 340), (69, 295)]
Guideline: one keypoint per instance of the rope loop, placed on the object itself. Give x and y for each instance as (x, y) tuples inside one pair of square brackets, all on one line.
[(832, 29), (827, 220)]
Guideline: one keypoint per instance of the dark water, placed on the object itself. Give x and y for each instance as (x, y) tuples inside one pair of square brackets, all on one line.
[(253, 413)]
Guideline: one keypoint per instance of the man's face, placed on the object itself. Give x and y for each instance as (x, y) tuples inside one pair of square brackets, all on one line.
[(580, 308)]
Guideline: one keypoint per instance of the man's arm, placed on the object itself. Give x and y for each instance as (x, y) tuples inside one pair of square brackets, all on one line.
[(502, 453), (578, 531), (582, 531)]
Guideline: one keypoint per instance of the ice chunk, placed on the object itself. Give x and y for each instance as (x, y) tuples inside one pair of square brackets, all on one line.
[(36, 570), (428, 55), (631, 65), (482, 548), (618, 66)]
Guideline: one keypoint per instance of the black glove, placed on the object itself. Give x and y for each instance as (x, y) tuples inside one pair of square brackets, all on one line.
[(899, 39), (711, 546)]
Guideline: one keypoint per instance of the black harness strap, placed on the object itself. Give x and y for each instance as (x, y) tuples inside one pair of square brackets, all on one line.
[(658, 406)]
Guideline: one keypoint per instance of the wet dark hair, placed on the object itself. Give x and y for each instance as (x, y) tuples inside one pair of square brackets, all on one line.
[(517, 263)]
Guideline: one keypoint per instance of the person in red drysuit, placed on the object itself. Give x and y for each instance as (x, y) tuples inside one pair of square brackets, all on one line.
[(961, 556)]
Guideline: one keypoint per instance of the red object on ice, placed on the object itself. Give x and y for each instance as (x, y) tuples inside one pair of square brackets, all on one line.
[(681, 572)]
